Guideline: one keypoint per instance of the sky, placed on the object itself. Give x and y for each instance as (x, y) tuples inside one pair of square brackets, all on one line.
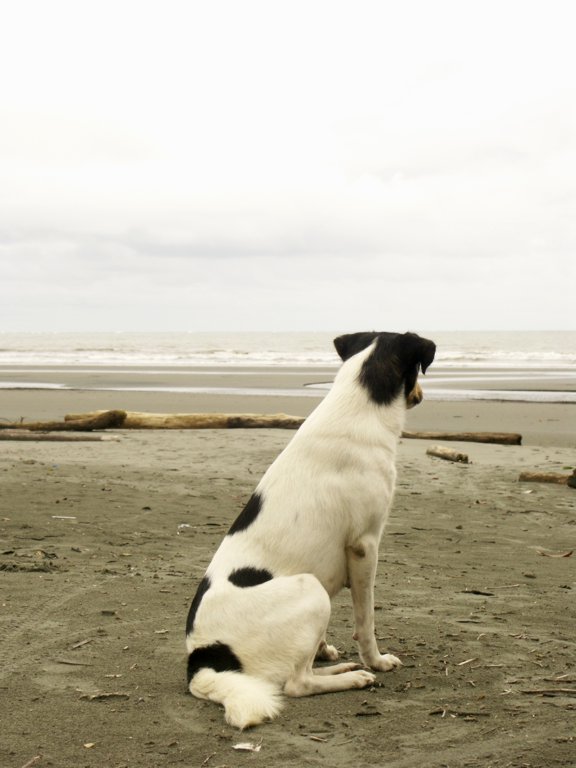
[(287, 165)]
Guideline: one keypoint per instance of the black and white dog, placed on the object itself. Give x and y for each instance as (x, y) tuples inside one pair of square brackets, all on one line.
[(311, 527)]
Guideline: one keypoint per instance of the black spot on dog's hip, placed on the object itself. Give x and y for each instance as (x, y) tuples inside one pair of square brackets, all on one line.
[(249, 577), (203, 587), (248, 514), (218, 657)]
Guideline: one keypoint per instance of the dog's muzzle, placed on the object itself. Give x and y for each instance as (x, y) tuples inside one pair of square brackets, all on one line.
[(415, 397)]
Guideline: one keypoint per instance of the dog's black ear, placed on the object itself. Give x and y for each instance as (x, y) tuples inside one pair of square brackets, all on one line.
[(417, 351), (352, 343)]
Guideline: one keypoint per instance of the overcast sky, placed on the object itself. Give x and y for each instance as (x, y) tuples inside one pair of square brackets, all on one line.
[(287, 165)]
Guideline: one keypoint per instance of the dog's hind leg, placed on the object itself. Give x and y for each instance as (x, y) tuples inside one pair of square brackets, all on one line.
[(304, 680), (308, 682), (337, 669)]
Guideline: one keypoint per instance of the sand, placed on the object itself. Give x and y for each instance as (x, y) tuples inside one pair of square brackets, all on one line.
[(104, 543)]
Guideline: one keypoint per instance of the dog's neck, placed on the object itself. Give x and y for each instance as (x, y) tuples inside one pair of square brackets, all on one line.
[(349, 410)]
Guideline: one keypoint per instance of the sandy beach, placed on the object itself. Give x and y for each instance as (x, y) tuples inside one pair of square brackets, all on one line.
[(103, 545)]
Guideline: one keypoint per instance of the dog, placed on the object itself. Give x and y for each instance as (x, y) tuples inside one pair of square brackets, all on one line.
[(312, 526)]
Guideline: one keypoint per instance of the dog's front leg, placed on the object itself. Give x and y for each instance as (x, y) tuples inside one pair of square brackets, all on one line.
[(362, 560)]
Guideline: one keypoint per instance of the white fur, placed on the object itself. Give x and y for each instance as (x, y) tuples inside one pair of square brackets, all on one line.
[(247, 700), (325, 502)]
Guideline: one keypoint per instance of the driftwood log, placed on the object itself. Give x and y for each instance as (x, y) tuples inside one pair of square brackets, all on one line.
[(100, 420), (503, 438), (25, 434), (449, 454), (548, 477), (139, 420)]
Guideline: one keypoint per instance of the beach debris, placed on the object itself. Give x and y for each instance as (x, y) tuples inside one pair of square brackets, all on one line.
[(182, 527), (550, 692), (80, 644), (89, 744), (372, 712), (105, 696), (543, 552), (548, 477), (141, 420), (448, 454), (501, 438), (25, 561), (62, 437), (443, 711), (144, 420), (32, 761), (100, 420), (248, 746)]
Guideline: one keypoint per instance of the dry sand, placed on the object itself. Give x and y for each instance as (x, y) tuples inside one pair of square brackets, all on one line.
[(103, 544)]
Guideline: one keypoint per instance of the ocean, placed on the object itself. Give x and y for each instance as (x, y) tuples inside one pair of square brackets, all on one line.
[(526, 365)]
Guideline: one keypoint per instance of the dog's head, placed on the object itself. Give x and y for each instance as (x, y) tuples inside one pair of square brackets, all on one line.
[(393, 364)]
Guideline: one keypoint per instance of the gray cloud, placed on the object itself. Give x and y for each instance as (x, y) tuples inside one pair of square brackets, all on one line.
[(342, 165)]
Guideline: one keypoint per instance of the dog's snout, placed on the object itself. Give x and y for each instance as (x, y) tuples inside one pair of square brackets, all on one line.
[(416, 396)]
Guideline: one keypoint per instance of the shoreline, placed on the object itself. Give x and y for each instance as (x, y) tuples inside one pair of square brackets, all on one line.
[(542, 424), (442, 383)]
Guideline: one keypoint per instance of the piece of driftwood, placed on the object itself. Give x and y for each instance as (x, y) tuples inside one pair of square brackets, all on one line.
[(548, 477), (502, 438), (449, 454), (139, 420), (99, 420), (70, 437)]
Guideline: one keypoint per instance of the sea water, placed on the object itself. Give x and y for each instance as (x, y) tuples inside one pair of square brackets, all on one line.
[(484, 363), (463, 349)]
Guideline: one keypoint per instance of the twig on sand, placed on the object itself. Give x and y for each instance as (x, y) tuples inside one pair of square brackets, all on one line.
[(543, 552), (32, 761), (443, 711), (80, 644), (551, 692)]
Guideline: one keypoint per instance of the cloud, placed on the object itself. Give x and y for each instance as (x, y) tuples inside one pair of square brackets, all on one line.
[(292, 165)]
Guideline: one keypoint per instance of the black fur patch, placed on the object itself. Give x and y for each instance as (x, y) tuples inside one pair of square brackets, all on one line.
[(203, 587), (248, 514), (393, 366), (218, 657), (249, 577), (352, 343), (379, 374)]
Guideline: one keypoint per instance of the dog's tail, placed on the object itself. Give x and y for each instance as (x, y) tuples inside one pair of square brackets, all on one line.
[(247, 700)]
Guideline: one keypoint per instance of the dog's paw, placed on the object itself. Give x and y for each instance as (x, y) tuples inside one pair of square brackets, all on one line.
[(385, 663), (362, 678), (330, 653), (327, 652)]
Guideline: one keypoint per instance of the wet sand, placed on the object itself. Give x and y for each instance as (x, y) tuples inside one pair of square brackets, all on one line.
[(103, 545)]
